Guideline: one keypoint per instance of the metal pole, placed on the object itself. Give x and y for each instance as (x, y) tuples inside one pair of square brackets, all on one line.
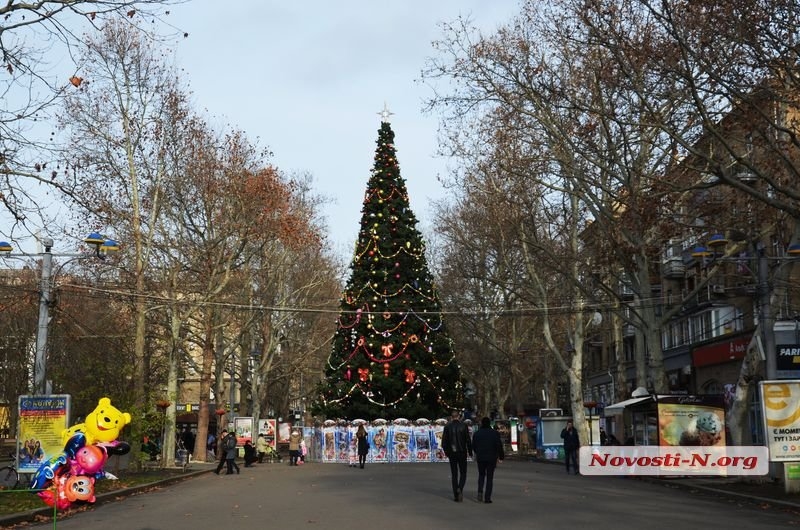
[(765, 322), (40, 362), (765, 314)]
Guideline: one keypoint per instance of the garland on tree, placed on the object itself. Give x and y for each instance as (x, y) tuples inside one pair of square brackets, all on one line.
[(391, 355)]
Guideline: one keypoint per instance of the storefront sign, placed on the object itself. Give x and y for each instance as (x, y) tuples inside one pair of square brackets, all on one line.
[(788, 362), (719, 353)]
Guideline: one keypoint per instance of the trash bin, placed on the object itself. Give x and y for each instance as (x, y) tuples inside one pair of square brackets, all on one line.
[(182, 457)]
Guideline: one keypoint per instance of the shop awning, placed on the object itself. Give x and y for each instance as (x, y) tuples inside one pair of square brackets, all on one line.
[(617, 408)]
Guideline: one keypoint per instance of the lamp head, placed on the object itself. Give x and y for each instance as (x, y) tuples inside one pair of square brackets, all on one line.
[(700, 252)]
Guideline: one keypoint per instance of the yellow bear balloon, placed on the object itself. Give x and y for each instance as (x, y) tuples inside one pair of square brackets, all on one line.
[(103, 424)]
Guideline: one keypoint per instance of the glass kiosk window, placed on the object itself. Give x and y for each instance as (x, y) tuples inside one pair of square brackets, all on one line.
[(645, 428)]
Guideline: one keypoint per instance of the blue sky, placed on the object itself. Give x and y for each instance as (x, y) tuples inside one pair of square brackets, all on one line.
[(308, 78)]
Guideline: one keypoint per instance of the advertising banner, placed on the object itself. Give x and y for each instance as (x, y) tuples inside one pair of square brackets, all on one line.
[(268, 428), (422, 443), (379, 448), (244, 429), (691, 420), (284, 430), (401, 443), (328, 443), (388, 443), (42, 420), (780, 403)]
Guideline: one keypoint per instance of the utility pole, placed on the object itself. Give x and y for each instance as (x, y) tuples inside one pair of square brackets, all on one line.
[(40, 362)]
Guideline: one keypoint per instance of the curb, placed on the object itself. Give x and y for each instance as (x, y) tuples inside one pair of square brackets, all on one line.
[(687, 486)]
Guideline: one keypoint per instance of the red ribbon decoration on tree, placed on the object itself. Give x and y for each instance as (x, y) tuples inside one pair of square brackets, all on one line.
[(387, 350), (410, 375), (363, 373)]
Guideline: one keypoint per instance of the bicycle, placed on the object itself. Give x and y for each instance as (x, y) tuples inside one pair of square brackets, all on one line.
[(9, 477)]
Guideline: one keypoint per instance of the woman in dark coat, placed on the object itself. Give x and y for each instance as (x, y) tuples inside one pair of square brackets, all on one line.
[(363, 445), (249, 454)]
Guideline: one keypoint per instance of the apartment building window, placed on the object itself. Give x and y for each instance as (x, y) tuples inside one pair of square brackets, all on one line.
[(703, 326)]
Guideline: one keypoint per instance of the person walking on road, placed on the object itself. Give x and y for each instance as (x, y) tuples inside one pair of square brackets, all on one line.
[(457, 445), (571, 445), (363, 445), (488, 449), (221, 450), (228, 450), (294, 447)]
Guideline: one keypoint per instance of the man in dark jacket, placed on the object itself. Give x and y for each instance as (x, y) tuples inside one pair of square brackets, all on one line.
[(221, 450), (457, 445), (571, 445), (488, 448)]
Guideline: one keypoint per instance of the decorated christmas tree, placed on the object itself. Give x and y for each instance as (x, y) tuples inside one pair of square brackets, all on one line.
[(391, 356)]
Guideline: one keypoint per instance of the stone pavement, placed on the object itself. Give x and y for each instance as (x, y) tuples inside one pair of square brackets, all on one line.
[(527, 495)]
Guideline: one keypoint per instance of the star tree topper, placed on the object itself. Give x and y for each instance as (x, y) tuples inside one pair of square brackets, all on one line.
[(384, 114)]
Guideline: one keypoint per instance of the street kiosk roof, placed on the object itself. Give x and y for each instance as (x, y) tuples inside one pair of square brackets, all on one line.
[(618, 408)]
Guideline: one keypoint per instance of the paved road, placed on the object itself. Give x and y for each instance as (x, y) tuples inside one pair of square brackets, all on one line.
[(417, 496)]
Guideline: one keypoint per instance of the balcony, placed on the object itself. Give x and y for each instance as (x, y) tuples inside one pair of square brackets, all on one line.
[(673, 267)]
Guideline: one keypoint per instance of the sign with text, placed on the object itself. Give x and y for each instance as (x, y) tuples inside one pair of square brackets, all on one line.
[(267, 427), (42, 420), (780, 404), (788, 362)]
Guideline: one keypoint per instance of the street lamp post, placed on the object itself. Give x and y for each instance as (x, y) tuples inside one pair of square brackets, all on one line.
[(102, 247), (40, 362)]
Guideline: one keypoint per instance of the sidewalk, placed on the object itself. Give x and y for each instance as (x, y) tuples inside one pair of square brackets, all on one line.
[(757, 490)]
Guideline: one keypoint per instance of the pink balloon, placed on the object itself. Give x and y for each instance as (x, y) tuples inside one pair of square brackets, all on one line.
[(89, 459)]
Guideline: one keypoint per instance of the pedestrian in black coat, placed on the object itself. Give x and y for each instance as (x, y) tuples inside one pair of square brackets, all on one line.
[(457, 445), (488, 449), (571, 445)]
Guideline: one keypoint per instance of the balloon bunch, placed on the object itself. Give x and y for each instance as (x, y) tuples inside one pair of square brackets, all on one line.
[(70, 476)]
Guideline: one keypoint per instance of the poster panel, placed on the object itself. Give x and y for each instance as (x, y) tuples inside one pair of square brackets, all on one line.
[(284, 431), (436, 448), (379, 447), (342, 443), (244, 429), (691, 420), (780, 403), (352, 444), (42, 420), (268, 427), (401, 443), (328, 444), (421, 446)]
